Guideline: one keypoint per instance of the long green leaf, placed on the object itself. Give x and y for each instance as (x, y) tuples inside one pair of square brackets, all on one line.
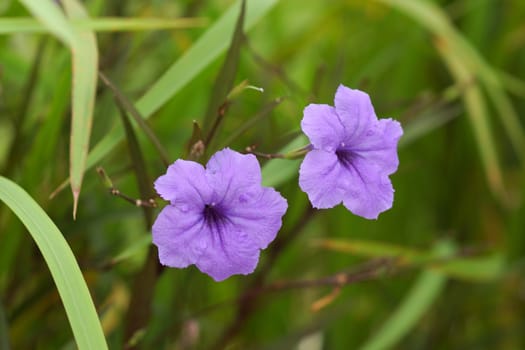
[(474, 269), (62, 264), (477, 112), (83, 46), (102, 24), (85, 68)]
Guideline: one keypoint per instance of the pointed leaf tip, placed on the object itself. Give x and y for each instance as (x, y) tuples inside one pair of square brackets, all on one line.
[(76, 194)]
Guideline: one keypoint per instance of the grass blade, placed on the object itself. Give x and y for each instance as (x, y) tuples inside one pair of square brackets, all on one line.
[(102, 24), (85, 67), (62, 264), (85, 64), (114, 24), (477, 112), (474, 269)]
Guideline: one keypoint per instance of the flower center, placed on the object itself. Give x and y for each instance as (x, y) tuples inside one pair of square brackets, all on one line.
[(213, 216), (345, 157)]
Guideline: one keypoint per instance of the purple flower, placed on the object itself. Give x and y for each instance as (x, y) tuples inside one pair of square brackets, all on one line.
[(219, 217), (352, 155)]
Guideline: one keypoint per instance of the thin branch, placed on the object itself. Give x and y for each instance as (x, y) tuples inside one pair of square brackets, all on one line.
[(148, 203)]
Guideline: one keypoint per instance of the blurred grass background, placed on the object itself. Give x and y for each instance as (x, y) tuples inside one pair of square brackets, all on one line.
[(460, 178)]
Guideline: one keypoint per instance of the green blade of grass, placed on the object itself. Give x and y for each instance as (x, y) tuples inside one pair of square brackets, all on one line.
[(477, 112), (62, 264), (85, 67), (102, 24), (112, 24), (474, 269), (85, 64)]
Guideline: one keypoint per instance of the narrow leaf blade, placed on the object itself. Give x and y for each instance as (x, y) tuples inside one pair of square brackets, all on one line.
[(62, 264), (85, 67)]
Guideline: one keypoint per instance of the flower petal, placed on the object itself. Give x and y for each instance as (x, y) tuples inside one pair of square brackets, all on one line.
[(322, 126), (369, 199), (184, 183), (355, 110), (230, 173), (322, 177), (229, 252), (179, 236), (379, 145), (259, 214)]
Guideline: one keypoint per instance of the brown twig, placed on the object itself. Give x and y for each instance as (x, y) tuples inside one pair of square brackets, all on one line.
[(363, 272), (251, 150), (148, 203)]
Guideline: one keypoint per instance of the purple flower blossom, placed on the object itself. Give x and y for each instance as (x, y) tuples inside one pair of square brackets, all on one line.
[(219, 217), (352, 155)]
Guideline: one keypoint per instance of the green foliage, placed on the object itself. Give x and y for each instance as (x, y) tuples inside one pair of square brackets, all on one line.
[(442, 269), (62, 264)]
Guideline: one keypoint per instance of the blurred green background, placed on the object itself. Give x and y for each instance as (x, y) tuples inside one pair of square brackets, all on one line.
[(453, 74)]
